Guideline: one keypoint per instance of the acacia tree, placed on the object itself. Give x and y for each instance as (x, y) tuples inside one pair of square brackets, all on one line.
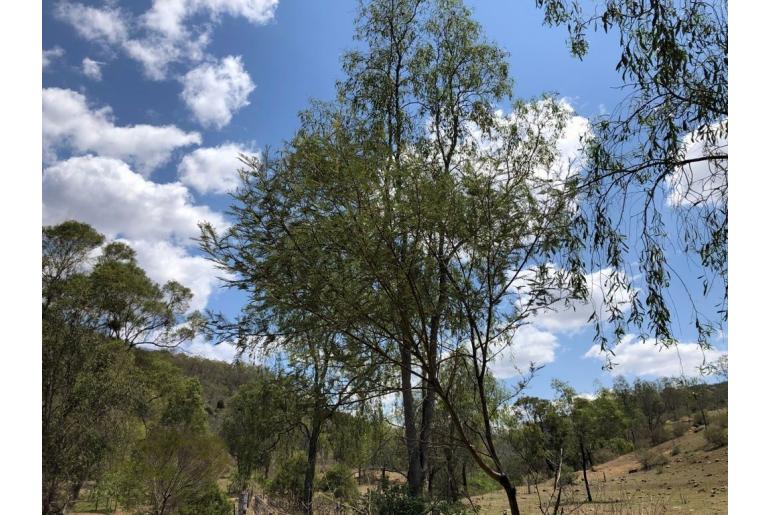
[(415, 242), (256, 418), (664, 144)]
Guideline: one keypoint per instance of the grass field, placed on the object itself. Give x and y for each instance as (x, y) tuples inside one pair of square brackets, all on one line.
[(694, 481)]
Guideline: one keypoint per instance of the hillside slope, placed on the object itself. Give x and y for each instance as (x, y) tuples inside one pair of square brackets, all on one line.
[(694, 481)]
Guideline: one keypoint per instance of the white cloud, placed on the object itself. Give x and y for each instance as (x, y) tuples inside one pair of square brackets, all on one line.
[(575, 316), (703, 181), (171, 31), (107, 194), (214, 91), (213, 169), (51, 55), (634, 357), (165, 262), (224, 351), (92, 69), (69, 122), (105, 25), (168, 16), (530, 345)]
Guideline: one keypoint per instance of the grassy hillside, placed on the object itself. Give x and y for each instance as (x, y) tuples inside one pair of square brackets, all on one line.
[(693, 481)]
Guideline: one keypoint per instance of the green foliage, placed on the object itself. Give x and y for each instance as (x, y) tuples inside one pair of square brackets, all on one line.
[(395, 500), (288, 481), (211, 501), (255, 418), (339, 481), (170, 469)]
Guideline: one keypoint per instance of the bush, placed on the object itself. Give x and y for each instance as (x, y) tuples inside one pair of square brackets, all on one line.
[(649, 459), (289, 481), (619, 446), (339, 481), (396, 501), (680, 427), (660, 435), (479, 483), (716, 436), (675, 450), (212, 501), (719, 420)]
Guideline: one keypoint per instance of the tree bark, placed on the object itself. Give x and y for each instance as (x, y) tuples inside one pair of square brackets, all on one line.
[(510, 493), (312, 453), (414, 474), (585, 474)]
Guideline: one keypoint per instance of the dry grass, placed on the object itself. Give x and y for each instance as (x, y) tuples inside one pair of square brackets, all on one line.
[(694, 481)]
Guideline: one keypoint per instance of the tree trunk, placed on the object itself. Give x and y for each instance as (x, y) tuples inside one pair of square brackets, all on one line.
[(510, 492), (585, 474), (428, 410), (414, 474), (312, 452)]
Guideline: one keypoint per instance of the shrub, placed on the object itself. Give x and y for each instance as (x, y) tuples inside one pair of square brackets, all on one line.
[(716, 436), (479, 483), (396, 501), (660, 435), (679, 428), (339, 481), (719, 420), (675, 450), (290, 478), (619, 446), (649, 459), (211, 501)]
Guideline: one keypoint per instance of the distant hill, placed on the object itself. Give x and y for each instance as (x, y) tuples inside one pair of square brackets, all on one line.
[(219, 380)]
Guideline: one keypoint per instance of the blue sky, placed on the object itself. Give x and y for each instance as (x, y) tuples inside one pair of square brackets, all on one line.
[(142, 117)]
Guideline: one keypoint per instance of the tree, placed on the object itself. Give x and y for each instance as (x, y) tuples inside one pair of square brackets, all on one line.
[(413, 243), (92, 307), (666, 143), (256, 417)]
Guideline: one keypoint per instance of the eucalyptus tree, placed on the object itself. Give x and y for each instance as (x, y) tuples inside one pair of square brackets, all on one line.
[(92, 308), (410, 219), (665, 144)]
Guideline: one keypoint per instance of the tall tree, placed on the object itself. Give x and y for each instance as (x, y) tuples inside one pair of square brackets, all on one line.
[(412, 240)]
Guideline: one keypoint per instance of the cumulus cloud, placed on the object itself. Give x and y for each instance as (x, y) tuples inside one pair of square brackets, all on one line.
[(92, 69), (68, 121), (52, 54), (224, 351), (165, 262), (213, 169), (170, 31), (529, 346), (634, 357), (104, 25), (169, 16), (214, 91), (107, 194), (563, 317), (701, 181)]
